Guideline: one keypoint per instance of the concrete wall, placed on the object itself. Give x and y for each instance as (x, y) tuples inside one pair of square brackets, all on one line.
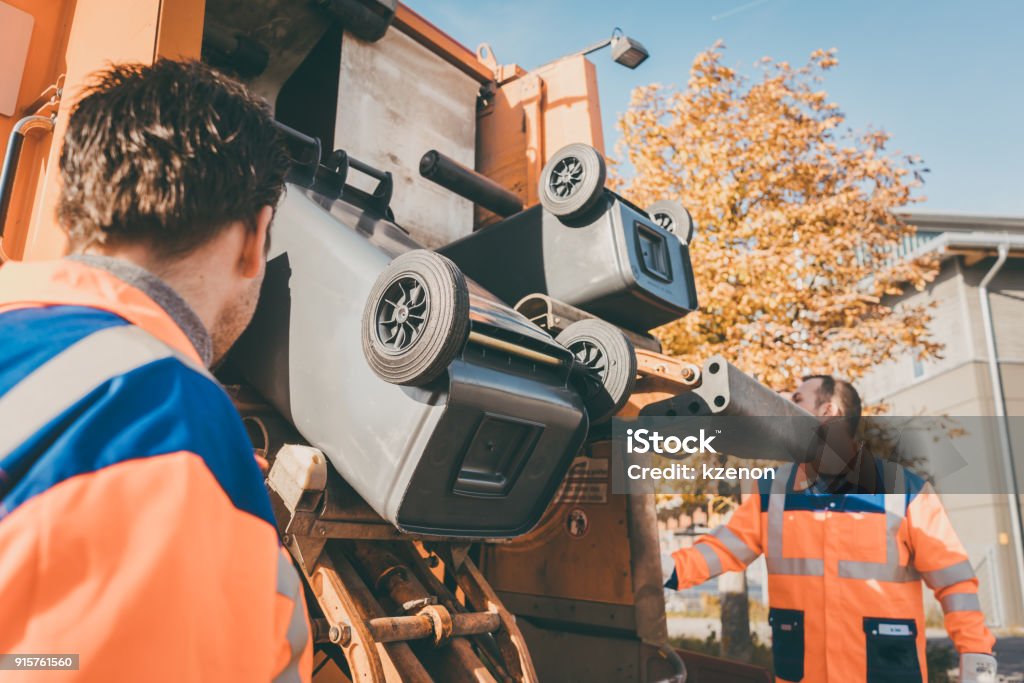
[(396, 101), (950, 327), (1007, 302)]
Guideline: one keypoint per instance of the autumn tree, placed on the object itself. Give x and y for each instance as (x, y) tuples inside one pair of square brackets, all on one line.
[(796, 239), (797, 242)]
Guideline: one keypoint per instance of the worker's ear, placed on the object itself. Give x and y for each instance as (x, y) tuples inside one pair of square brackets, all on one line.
[(254, 246), (830, 409)]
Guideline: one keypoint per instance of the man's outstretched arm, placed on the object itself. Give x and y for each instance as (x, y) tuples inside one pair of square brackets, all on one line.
[(728, 548), (941, 560)]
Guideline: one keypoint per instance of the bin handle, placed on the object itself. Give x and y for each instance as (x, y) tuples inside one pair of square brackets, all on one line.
[(10, 167)]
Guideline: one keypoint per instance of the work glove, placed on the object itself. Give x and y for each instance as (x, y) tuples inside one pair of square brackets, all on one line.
[(977, 668), (668, 571)]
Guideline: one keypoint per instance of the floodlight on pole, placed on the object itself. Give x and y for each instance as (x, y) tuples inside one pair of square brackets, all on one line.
[(626, 51)]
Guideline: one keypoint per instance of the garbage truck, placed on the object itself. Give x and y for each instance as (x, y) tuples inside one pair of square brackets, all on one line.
[(455, 306)]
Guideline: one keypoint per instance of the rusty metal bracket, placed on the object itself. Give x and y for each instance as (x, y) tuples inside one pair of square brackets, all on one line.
[(416, 605), (330, 585), (298, 481), (509, 638), (678, 372), (49, 97)]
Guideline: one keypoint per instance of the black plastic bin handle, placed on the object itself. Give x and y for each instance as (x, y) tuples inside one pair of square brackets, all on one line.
[(469, 184), (328, 176)]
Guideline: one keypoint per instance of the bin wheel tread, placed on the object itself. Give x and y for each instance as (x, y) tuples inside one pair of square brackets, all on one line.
[(674, 217), (416, 318), (608, 365), (572, 181)]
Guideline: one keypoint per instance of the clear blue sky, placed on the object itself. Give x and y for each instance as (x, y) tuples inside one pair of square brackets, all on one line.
[(944, 78)]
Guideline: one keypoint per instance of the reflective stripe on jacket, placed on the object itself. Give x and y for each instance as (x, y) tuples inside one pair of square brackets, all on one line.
[(844, 577), (135, 530)]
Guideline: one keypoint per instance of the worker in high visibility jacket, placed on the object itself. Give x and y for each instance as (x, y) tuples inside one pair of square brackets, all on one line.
[(845, 567), (135, 529)]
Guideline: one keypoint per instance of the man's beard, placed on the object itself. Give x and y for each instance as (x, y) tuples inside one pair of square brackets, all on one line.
[(233, 320)]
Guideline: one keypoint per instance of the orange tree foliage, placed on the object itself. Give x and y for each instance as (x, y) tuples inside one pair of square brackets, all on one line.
[(796, 237)]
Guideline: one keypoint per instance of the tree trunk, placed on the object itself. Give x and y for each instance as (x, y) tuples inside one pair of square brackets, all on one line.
[(732, 591)]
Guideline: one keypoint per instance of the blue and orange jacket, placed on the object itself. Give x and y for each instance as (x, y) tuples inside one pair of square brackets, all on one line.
[(135, 530), (845, 574)]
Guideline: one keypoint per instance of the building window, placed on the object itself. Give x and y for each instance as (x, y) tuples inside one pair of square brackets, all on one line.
[(918, 364)]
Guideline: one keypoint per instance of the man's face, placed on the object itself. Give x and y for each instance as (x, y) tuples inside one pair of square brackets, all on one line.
[(834, 458), (246, 248), (806, 396), (236, 316)]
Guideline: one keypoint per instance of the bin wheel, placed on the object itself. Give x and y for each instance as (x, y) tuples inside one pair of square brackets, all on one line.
[(572, 181), (416, 319), (672, 216), (607, 366)]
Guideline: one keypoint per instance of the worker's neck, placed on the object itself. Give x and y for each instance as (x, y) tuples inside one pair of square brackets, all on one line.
[(196, 278), (852, 468)]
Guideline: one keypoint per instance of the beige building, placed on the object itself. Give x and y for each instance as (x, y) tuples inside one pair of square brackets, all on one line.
[(973, 249)]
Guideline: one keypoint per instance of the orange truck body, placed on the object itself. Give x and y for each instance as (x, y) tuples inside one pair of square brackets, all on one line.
[(70, 40)]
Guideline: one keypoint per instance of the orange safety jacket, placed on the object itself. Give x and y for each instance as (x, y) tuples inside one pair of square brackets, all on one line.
[(135, 529), (844, 576)]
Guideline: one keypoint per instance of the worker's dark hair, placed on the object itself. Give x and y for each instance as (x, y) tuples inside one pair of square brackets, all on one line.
[(166, 155), (844, 393)]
